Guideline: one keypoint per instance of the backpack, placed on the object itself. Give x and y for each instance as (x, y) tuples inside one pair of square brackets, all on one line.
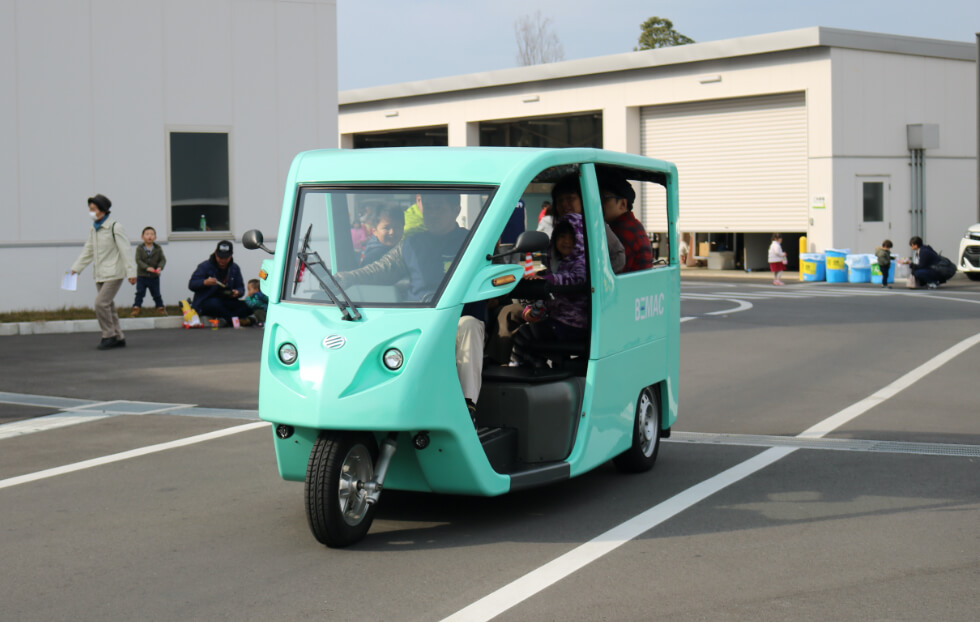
[(944, 268)]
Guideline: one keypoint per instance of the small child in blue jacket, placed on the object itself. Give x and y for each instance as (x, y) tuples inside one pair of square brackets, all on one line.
[(256, 300)]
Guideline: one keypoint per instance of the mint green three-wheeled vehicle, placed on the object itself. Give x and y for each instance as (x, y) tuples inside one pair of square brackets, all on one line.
[(391, 293)]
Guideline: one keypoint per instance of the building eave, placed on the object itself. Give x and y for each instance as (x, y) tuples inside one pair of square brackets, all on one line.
[(813, 37)]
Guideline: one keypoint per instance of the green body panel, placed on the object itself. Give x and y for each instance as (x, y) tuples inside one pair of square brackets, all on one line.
[(634, 341), (351, 389)]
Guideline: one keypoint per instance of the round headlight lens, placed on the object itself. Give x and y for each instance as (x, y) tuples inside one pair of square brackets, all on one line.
[(288, 353), (393, 359)]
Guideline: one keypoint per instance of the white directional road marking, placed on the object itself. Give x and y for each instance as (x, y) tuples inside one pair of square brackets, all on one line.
[(742, 294)]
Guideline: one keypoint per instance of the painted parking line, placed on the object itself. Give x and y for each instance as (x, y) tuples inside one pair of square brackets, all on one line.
[(76, 411), (743, 305), (48, 422), (537, 580), (828, 444), (126, 455)]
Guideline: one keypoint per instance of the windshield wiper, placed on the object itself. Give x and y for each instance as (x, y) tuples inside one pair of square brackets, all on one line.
[(301, 268), (310, 260)]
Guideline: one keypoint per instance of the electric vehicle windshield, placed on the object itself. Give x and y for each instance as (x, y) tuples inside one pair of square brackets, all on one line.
[(378, 246)]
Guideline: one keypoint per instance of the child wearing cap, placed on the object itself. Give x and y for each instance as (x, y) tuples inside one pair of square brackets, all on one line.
[(617, 196)]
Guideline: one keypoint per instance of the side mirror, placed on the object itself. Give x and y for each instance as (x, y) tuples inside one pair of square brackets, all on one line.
[(527, 242), (252, 239)]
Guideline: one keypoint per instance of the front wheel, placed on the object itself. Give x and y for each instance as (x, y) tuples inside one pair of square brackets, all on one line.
[(642, 454), (973, 276), (336, 505)]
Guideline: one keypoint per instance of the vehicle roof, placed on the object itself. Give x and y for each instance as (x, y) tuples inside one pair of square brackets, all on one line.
[(458, 165)]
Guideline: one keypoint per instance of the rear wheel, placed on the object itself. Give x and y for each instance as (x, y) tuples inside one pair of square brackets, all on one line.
[(642, 454), (336, 506)]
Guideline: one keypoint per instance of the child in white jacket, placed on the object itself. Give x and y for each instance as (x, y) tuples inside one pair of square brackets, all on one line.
[(777, 258)]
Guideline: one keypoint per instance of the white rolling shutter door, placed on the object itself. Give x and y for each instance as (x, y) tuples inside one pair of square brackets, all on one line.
[(741, 163)]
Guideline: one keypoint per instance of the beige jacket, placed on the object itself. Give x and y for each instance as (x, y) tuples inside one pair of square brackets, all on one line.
[(109, 248)]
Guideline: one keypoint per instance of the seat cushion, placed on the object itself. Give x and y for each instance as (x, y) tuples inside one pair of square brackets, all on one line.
[(496, 373)]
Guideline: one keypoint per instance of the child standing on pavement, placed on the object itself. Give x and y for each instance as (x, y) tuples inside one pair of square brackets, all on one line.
[(777, 258), (149, 264), (884, 255)]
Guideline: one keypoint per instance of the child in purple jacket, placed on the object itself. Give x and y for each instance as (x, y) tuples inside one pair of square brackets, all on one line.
[(564, 317)]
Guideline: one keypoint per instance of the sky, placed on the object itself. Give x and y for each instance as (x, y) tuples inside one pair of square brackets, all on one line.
[(390, 41)]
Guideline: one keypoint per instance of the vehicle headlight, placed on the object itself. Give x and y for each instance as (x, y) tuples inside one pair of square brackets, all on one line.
[(288, 353), (393, 359)]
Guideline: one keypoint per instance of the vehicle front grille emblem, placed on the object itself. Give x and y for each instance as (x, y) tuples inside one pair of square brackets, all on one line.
[(334, 342)]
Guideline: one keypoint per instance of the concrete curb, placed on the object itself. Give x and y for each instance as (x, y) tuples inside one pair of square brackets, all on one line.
[(87, 326), (755, 275)]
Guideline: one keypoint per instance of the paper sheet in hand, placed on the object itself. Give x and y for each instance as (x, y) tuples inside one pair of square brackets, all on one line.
[(70, 282)]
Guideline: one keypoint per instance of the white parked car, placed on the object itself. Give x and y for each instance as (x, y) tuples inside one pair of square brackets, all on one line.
[(969, 257)]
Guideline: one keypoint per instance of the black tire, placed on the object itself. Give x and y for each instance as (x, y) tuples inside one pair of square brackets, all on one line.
[(642, 454), (973, 276), (335, 509)]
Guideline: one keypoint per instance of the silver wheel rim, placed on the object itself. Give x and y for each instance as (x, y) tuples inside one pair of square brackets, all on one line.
[(357, 468), (647, 422)]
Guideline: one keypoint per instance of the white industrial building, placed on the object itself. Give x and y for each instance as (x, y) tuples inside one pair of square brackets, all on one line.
[(845, 137), (185, 113)]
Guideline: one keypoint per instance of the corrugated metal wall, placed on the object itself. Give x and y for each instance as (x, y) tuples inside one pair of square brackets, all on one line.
[(742, 163)]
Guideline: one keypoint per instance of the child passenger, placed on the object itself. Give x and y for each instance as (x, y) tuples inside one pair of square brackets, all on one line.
[(563, 317), (149, 264), (388, 224)]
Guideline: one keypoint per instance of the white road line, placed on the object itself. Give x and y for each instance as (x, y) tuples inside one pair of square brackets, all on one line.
[(537, 580), (49, 422), (41, 401), (854, 410), (922, 295), (93, 407), (126, 455), (742, 306)]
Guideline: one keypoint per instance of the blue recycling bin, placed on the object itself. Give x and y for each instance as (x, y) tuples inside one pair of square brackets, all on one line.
[(836, 268), (812, 266), (859, 268), (876, 272)]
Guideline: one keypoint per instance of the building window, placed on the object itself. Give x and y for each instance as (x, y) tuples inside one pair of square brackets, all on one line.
[(582, 130), (874, 201), (199, 197), (437, 136)]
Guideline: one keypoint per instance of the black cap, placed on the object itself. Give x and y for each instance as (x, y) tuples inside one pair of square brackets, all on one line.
[(568, 184), (617, 185), (224, 249), (102, 202)]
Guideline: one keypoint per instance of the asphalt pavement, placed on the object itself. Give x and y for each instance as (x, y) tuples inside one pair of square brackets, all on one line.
[(156, 499)]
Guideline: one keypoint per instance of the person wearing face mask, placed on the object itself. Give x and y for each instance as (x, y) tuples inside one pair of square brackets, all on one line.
[(108, 249)]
